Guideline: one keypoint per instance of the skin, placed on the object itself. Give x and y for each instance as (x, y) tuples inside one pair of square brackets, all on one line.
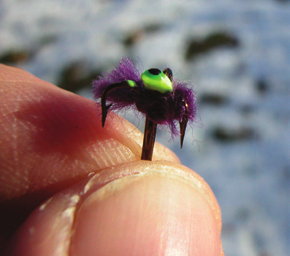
[(70, 187)]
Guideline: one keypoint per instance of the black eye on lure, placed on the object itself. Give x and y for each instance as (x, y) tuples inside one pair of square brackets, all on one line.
[(155, 93)]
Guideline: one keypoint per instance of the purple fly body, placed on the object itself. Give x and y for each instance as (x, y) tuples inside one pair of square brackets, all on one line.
[(168, 108)]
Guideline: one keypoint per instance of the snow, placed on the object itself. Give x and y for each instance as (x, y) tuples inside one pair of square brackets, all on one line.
[(250, 177)]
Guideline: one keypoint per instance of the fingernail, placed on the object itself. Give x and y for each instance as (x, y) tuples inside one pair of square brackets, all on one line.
[(151, 213)]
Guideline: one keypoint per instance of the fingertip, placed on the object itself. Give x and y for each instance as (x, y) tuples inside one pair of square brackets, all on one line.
[(150, 213), (140, 208)]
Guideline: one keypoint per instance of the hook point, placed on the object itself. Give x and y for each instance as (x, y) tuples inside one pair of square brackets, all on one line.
[(183, 124)]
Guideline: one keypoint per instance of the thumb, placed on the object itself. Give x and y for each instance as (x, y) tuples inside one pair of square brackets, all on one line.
[(138, 208)]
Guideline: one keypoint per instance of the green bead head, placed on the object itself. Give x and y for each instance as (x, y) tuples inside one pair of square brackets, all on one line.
[(155, 79)]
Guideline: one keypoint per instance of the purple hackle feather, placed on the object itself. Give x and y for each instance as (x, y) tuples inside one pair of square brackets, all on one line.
[(161, 108), (126, 70)]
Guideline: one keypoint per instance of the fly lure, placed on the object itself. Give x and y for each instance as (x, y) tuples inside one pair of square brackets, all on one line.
[(163, 100)]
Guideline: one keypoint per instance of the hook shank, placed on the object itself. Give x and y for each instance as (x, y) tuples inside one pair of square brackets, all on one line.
[(148, 140)]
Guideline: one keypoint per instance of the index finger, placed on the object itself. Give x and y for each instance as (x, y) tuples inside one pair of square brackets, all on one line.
[(51, 139)]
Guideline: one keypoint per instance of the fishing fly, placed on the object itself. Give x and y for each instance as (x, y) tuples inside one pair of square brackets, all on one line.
[(162, 99)]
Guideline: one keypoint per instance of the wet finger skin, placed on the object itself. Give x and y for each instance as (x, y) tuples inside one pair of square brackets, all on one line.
[(102, 200)]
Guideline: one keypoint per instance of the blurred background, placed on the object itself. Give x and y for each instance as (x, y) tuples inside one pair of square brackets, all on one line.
[(236, 54)]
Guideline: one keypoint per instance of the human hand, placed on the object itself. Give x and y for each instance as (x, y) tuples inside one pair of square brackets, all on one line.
[(96, 196)]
